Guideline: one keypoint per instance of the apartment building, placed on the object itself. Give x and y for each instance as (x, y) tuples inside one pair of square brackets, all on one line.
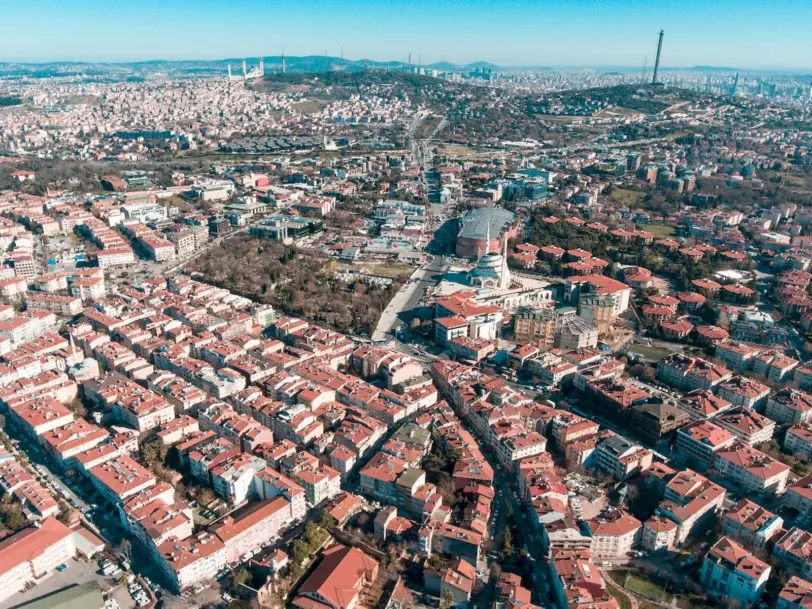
[(688, 373), (120, 478), (702, 441), (614, 535), (691, 500), (658, 533), (249, 529), (796, 594), (789, 407), (193, 560), (33, 553), (794, 551), (748, 426), (731, 571), (798, 441), (751, 525), (751, 470), (620, 458), (743, 392)]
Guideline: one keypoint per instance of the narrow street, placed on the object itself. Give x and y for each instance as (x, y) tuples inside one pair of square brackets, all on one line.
[(508, 500)]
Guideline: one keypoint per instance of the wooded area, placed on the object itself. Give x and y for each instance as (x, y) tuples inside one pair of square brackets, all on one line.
[(296, 281)]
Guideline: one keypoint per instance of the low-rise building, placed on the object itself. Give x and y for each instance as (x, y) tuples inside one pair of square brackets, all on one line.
[(751, 470), (620, 458), (614, 535), (731, 571), (32, 553), (751, 525), (703, 441)]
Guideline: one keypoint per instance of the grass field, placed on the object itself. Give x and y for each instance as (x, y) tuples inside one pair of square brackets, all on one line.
[(624, 602), (624, 196), (559, 118), (395, 271), (455, 150), (655, 354), (640, 585), (658, 230), (308, 107)]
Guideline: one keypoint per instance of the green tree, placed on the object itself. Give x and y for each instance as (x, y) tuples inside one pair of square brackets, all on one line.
[(205, 496), (507, 544), (78, 409), (154, 452), (241, 576), (326, 520), (446, 599)]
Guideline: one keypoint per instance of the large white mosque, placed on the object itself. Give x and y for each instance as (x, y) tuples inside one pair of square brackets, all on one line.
[(492, 269)]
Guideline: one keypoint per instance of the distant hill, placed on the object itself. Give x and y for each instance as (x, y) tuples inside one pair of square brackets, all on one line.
[(273, 63), (646, 98)]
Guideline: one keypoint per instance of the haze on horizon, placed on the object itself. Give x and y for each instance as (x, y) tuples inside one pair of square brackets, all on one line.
[(742, 33)]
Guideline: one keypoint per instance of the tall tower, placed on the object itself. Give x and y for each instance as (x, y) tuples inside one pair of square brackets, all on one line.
[(735, 85), (229, 71), (244, 69), (262, 66), (284, 67), (504, 272), (657, 62)]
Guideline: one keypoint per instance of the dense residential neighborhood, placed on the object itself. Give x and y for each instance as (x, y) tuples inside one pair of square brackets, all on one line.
[(419, 337)]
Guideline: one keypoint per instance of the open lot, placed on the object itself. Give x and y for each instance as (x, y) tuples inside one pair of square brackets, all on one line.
[(78, 572), (658, 230), (394, 271), (308, 107), (454, 150), (624, 196), (639, 584), (655, 354)]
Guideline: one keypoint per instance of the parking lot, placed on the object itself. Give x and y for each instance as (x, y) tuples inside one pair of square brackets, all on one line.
[(79, 571)]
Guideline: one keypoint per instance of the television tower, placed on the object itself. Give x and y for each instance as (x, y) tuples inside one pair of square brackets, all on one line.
[(657, 62), (735, 85)]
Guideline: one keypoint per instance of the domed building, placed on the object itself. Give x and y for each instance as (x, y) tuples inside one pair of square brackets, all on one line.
[(492, 270)]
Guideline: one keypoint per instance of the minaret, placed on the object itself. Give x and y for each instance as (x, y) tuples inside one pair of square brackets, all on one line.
[(229, 71), (488, 239), (244, 69), (262, 66), (283, 61), (504, 273), (72, 346)]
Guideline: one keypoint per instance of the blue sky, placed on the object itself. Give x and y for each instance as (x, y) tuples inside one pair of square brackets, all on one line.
[(740, 33)]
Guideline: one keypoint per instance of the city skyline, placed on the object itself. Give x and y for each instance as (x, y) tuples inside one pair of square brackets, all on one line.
[(556, 34)]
